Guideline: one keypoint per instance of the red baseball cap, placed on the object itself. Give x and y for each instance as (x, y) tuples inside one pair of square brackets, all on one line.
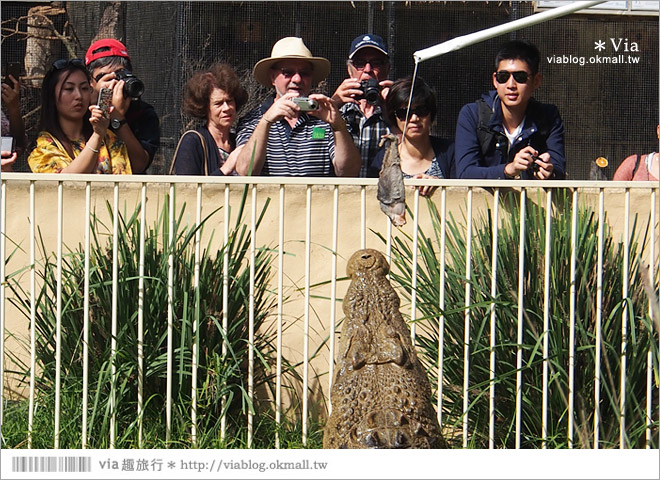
[(106, 47)]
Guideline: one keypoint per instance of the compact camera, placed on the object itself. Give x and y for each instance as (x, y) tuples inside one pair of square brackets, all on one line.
[(133, 86), (370, 91), (305, 104)]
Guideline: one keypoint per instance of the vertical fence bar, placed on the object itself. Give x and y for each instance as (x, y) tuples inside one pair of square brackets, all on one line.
[(363, 217), (280, 315), (196, 318), (225, 305), (113, 341), (58, 317), (333, 292), (140, 327), (3, 281), (571, 319), (649, 355), (466, 339), (170, 316), (624, 321), (599, 316), (546, 316), (308, 243), (33, 312), (85, 393), (253, 256), (493, 321), (521, 294), (413, 290), (441, 320)]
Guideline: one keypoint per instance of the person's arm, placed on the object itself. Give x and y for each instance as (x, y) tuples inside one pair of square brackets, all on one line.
[(258, 128), (555, 143), (7, 159), (138, 156), (347, 160), (10, 97), (468, 150), (625, 171), (251, 156)]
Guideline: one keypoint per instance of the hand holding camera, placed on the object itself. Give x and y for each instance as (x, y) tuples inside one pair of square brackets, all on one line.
[(305, 104)]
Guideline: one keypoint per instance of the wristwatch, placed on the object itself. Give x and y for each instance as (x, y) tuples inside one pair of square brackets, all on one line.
[(115, 123)]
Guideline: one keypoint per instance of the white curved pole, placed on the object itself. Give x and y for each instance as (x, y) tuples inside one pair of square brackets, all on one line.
[(476, 37)]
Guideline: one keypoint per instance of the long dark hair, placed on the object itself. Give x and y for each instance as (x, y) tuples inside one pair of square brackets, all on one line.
[(49, 120)]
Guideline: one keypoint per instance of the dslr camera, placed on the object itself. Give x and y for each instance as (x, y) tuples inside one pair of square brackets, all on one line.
[(370, 91), (133, 86)]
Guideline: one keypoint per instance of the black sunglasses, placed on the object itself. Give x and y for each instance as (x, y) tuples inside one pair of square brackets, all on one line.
[(520, 77), (360, 63), (63, 63), (420, 111)]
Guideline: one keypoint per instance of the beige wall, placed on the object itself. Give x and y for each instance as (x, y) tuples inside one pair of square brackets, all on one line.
[(213, 195)]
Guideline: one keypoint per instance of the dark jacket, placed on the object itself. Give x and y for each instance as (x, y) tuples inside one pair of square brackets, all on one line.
[(190, 157), (444, 157), (472, 163)]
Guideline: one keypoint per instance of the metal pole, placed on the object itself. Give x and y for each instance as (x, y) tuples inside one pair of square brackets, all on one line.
[(476, 37)]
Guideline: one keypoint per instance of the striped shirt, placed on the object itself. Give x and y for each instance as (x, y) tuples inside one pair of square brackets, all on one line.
[(306, 150), (366, 132)]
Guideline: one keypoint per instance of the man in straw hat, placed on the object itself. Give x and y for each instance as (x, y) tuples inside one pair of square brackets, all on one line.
[(281, 138)]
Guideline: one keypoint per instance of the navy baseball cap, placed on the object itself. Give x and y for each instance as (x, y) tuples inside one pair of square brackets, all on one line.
[(368, 40)]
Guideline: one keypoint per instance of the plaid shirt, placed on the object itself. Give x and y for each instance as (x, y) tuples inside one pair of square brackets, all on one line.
[(366, 132)]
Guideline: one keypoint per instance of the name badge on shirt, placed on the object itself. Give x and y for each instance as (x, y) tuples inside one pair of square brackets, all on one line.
[(318, 133)]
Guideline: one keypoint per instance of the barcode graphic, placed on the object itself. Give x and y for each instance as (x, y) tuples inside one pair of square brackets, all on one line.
[(51, 464)]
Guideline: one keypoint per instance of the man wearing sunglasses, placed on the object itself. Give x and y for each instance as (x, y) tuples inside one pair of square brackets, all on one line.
[(368, 61), (134, 121), (507, 133), (294, 133)]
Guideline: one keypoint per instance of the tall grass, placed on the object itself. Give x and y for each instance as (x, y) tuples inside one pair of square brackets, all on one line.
[(222, 389), (640, 336)]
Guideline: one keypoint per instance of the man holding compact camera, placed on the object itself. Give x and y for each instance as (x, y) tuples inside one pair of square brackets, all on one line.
[(507, 133), (359, 96), (294, 133), (133, 120)]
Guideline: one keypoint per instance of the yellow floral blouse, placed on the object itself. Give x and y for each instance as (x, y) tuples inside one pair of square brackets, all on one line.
[(49, 156)]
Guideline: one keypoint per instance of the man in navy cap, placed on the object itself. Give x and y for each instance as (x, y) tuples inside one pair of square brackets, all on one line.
[(360, 96)]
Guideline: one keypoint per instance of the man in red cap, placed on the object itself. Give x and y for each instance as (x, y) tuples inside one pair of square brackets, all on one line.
[(134, 121)]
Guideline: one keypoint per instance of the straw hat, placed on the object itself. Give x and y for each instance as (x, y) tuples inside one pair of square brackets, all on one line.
[(290, 48)]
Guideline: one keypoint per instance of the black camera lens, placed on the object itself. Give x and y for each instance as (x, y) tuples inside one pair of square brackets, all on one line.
[(133, 86), (370, 91)]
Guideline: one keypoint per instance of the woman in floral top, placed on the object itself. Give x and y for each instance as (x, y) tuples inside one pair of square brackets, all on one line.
[(74, 135)]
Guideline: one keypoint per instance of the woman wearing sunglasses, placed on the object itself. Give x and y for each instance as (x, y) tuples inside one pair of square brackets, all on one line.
[(74, 136), (422, 155)]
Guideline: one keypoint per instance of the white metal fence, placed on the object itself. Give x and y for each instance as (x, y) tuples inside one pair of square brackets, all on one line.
[(313, 226)]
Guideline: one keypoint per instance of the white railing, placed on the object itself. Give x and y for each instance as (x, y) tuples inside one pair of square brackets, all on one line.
[(329, 235)]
